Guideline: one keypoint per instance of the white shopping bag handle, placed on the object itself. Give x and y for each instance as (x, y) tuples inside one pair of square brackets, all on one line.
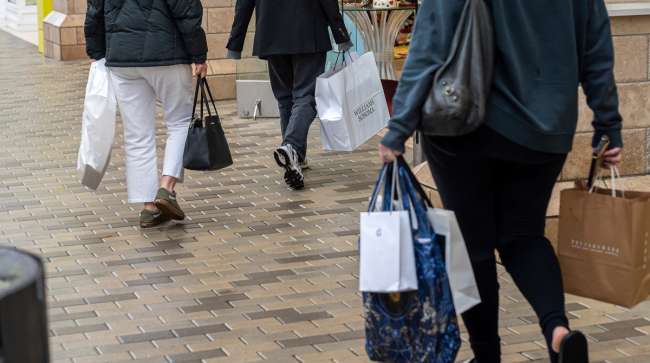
[(615, 174), (381, 185)]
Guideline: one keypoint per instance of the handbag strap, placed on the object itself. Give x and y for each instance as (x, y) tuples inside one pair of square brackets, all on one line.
[(196, 99), (204, 99), (206, 85)]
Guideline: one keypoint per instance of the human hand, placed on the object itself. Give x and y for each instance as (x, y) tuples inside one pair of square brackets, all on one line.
[(344, 47), (200, 69), (387, 155), (612, 157)]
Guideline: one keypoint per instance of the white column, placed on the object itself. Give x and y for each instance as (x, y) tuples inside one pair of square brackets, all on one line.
[(3, 12)]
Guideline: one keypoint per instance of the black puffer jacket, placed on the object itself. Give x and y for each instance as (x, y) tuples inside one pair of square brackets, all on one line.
[(145, 33)]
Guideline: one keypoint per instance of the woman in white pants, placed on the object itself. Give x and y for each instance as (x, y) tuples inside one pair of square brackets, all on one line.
[(149, 50)]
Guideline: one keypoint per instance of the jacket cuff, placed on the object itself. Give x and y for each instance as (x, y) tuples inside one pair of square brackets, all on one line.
[(200, 59), (96, 55), (341, 35), (615, 138), (231, 54), (394, 140)]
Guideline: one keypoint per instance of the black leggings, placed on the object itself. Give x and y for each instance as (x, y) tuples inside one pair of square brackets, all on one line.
[(500, 192)]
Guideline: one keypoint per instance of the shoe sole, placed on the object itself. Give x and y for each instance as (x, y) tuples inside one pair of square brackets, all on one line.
[(293, 178), (153, 224), (149, 225), (170, 210), (574, 348)]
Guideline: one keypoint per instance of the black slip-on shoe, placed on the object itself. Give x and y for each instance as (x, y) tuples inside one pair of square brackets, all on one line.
[(574, 348)]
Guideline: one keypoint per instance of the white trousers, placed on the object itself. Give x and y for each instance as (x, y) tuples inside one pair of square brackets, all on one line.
[(137, 89)]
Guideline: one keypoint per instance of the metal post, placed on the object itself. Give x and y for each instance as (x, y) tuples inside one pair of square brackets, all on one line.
[(23, 317)]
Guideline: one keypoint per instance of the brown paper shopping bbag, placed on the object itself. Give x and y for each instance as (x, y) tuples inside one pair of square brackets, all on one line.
[(604, 244)]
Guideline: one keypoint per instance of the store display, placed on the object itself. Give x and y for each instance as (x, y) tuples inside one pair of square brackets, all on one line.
[(385, 4), (356, 3)]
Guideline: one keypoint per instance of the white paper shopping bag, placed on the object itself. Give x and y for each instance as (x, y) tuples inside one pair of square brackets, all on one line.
[(459, 267), (351, 104), (98, 126), (387, 259)]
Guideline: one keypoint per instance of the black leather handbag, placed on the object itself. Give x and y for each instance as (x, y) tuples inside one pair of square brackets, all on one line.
[(206, 147), (456, 104)]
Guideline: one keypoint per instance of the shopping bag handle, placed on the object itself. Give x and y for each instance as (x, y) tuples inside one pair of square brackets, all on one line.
[(338, 56), (375, 191), (415, 183), (615, 174), (416, 207), (383, 181)]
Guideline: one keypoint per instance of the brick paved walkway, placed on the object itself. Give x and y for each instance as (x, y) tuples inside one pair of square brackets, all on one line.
[(255, 273)]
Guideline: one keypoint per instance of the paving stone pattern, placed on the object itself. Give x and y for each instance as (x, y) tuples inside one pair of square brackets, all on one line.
[(255, 273)]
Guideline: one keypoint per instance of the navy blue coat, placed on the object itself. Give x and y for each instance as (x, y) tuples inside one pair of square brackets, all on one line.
[(545, 50)]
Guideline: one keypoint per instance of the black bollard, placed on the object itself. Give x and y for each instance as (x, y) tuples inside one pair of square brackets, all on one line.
[(23, 315)]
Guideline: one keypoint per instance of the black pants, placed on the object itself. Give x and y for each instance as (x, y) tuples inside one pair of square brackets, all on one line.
[(500, 192), (293, 80)]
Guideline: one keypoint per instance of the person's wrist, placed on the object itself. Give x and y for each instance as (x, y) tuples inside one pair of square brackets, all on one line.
[(343, 47)]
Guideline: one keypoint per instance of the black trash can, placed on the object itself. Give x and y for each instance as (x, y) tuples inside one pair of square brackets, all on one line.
[(23, 315)]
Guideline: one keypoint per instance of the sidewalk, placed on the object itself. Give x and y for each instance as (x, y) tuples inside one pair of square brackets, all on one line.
[(256, 272)]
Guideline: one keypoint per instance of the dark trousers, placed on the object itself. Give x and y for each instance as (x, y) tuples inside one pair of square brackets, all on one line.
[(293, 80), (500, 192)]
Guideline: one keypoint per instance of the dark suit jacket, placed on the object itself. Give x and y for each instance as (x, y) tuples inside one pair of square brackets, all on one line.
[(288, 26)]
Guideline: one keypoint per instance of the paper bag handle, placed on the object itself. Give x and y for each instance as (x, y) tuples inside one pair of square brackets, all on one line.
[(615, 175)]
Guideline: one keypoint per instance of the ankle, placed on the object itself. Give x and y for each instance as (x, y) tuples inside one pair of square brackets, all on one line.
[(150, 207), (168, 182), (558, 335)]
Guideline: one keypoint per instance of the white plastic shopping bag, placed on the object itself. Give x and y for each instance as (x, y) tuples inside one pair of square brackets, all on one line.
[(98, 126), (459, 267), (387, 256), (351, 104)]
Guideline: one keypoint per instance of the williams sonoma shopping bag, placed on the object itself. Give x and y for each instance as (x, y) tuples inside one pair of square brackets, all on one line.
[(603, 244), (351, 104)]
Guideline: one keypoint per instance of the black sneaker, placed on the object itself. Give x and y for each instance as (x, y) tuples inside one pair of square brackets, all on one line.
[(287, 158), (150, 219), (166, 202), (304, 164)]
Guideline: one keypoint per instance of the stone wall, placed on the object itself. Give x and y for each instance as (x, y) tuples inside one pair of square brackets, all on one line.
[(217, 21), (63, 32)]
